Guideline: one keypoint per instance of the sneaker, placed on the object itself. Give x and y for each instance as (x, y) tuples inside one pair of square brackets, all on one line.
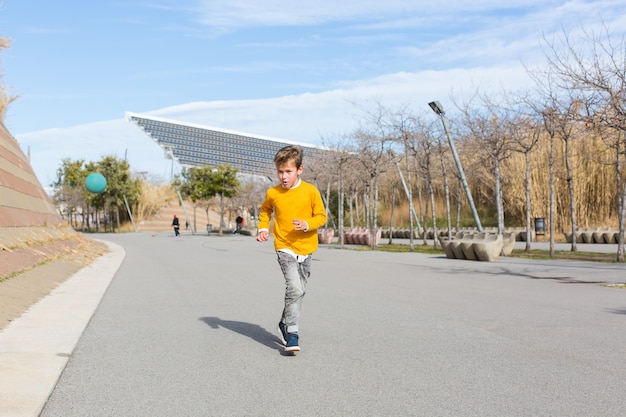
[(292, 343), (282, 332)]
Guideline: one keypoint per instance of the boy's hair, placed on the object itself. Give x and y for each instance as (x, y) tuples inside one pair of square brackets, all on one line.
[(289, 153)]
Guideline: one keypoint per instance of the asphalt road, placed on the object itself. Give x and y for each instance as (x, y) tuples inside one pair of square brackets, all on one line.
[(187, 328)]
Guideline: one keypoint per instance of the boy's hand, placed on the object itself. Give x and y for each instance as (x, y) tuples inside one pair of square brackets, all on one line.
[(262, 236), (300, 225)]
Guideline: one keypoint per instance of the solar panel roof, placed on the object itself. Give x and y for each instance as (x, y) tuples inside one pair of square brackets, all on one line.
[(196, 145)]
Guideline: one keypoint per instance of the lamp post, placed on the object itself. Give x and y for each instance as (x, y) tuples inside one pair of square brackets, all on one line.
[(437, 108)]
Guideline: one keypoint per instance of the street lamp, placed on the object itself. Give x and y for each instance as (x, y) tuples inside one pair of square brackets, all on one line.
[(437, 108)]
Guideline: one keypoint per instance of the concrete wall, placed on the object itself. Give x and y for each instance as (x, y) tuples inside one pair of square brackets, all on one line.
[(23, 201)]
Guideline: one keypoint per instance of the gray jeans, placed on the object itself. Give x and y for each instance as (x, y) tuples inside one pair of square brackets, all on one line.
[(296, 276)]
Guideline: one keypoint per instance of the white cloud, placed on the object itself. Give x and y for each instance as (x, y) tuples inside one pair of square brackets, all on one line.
[(241, 13), (305, 118), (91, 142)]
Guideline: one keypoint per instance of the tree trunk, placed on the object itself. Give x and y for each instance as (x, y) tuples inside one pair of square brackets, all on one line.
[(350, 207), (621, 199), (117, 213), (498, 190), (420, 202), (221, 214), (528, 205), (424, 222), (357, 210), (327, 208), (366, 209), (393, 204), (620, 243), (551, 168), (372, 212), (570, 184), (410, 198), (340, 212), (431, 192)]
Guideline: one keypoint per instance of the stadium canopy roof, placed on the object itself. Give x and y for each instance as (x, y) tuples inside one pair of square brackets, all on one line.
[(195, 145)]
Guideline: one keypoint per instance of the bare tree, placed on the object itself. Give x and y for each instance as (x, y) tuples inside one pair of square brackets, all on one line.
[(442, 151), (339, 158), (488, 124), (407, 127), (548, 121), (596, 73), (564, 117), (426, 156), (249, 197), (525, 131), (374, 157), (613, 139), (373, 141)]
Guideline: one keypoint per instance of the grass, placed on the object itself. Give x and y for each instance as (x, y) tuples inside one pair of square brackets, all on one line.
[(418, 247), (565, 255), (28, 268)]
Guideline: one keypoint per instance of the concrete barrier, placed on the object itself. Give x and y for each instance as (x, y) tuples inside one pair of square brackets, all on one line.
[(485, 247), (360, 236), (325, 236), (488, 248), (508, 243), (598, 235)]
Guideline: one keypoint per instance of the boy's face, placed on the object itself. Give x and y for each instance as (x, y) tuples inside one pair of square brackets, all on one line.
[(288, 174)]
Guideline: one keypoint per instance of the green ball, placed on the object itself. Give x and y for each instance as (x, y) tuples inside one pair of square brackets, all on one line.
[(95, 183)]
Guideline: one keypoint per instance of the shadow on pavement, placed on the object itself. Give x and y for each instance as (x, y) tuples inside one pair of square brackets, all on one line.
[(253, 331)]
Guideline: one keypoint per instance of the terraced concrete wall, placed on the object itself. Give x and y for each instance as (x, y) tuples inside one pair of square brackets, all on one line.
[(23, 201)]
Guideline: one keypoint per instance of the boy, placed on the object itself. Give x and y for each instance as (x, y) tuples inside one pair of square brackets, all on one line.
[(298, 212)]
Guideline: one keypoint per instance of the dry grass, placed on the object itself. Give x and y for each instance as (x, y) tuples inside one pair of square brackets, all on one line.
[(594, 179), (5, 98), (153, 197)]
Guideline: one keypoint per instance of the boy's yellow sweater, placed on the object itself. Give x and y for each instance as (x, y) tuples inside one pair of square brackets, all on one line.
[(303, 202)]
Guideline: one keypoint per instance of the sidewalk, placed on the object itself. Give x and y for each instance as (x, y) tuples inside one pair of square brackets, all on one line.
[(35, 348)]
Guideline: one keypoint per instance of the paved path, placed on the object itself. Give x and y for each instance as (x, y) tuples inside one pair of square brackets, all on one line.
[(187, 328)]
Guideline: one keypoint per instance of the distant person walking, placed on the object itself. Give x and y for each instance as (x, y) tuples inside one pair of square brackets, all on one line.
[(176, 225), (239, 224), (298, 212)]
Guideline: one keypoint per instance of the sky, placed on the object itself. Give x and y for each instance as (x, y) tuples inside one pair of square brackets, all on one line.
[(294, 70)]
